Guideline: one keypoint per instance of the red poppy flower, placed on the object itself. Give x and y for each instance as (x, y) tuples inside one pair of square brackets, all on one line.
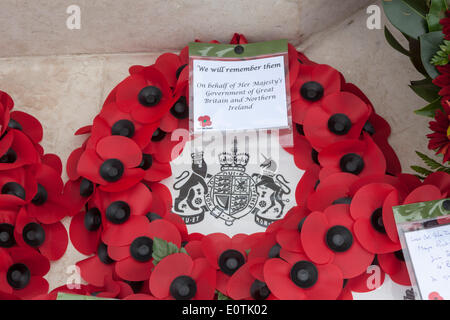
[(334, 189), (359, 157), (314, 82), (86, 228), (164, 148), (307, 184), (113, 121), (244, 286), (28, 124), (288, 236), (47, 204), (295, 277), (77, 193), (114, 164), (50, 239), (394, 265), (328, 238), (179, 277), (205, 121), (341, 116), (370, 209), (304, 154), (6, 104), (238, 39), (16, 150), (368, 281), (122, 210), (145, 94), (440, 138), (439, 179), (17, 187), (22, 271), (96, 269), (171, 66), (226, 255), (134, 258)]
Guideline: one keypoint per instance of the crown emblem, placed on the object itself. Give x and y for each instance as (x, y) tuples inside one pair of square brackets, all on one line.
[(233, 160)]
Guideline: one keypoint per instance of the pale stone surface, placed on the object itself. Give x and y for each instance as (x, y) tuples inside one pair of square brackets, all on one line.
[(66, 92), (107, 26)]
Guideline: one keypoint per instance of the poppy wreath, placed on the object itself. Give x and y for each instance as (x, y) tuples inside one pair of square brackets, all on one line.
[(342, 223), (31, 205)]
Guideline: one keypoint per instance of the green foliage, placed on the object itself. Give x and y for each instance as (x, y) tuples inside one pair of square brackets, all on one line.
[(433, 166), (430, 44), (441, 57), (408, 16), (430, 109), (426, 89), (436, 13), (162, 249), (221, 296)]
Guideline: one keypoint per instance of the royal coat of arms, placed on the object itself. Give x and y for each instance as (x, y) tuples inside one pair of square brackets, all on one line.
[(232, 193)]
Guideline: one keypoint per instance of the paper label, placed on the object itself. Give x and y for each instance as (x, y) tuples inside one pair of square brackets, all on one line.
[(429, 251)]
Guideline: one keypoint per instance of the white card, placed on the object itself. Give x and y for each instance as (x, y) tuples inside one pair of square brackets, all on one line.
[(228, 186), (239, 95), (429, 250)]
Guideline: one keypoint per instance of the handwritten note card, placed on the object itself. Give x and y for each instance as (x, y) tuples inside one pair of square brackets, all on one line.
[(429, 250)]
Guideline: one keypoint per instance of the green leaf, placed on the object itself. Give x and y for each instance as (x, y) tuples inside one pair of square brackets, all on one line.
[(394, 43), (425, 89), (429, 45), (221, 296), (414, 55), (436, 13), (430, 109), (162, 249), (441, 57), (424, 172), (432, 164), (408, 16)]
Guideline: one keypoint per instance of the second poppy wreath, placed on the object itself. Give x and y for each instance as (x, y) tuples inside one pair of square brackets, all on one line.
[(338, 224)]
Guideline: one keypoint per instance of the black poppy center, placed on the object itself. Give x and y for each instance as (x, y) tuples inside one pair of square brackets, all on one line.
[(9, 157), (41, 196), (304, 274), (377, 220), (33, 234), (230, 261), (300, 130), (102, 253), (315, 156), (112, 170), (13, 124), (259, 290), (343, 200), (141, 249), (18, 276), (339, 124), (124, 128), (86, 188), (147, 161), (399, 255), (7, 235), (183, 288), (151, 216), (180, 109), (15, 189), (92, 219), (352, 163), (368, 127), (150, 96), (446, 205), (118, 212), (274, 252), (312, 91), (339, 238), (300, 225), (158, 135), (179, 70)]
